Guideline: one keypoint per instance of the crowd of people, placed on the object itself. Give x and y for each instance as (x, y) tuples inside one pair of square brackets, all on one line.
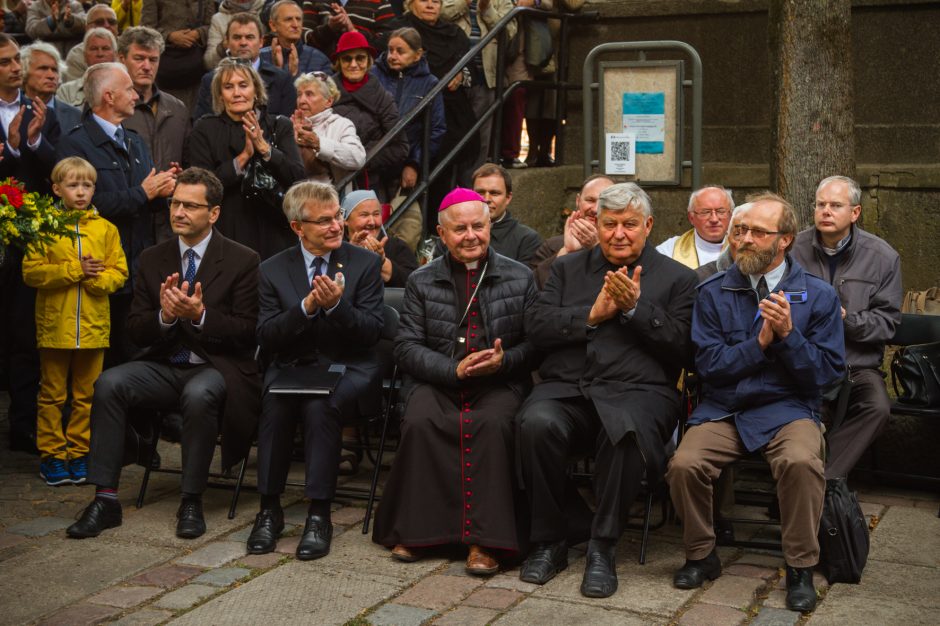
[(187, 291)]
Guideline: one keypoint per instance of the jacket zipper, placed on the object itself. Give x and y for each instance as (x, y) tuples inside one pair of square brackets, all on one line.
[(78, 307)]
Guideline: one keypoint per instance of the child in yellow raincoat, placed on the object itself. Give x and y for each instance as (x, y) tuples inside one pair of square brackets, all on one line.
[(73, 278)]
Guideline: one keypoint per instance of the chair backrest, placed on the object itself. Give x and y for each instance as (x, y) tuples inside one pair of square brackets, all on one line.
[(915, 329), (390, 325), (395, 297)]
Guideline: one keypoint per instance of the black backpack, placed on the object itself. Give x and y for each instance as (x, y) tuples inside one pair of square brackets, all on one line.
[(843, 535)]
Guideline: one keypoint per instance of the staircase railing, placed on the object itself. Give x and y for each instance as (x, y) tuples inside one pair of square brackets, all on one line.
[(558, 82)]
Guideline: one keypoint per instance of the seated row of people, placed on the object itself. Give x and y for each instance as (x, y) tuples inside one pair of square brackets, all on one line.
[(610, 332)]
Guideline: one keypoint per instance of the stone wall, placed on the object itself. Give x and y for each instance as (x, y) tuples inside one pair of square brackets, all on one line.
[(897, 118)]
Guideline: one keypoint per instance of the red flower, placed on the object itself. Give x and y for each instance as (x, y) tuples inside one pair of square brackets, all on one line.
[(13, 194)]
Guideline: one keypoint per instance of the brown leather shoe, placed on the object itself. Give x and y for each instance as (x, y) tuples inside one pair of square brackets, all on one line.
[(480, 562), (402, 553)]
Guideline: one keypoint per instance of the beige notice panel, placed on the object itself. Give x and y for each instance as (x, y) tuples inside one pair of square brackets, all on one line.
[(619, 78)]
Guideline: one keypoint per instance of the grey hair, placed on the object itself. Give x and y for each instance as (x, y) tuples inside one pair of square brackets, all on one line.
[(855, 192), (327, 86), (26, 55), (143, 36), (698, 192), (98, 78), (101, 8), (306, 191), (622, 196), (277, 6), (738, 210), (101, 33), (445, 214)]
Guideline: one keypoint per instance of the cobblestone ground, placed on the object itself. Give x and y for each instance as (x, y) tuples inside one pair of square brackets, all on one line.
[(140, 573)]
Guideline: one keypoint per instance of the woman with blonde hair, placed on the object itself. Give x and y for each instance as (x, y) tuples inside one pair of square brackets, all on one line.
[(227, 142)]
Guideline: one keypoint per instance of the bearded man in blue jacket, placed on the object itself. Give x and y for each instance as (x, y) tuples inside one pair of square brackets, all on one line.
[(769, 341)]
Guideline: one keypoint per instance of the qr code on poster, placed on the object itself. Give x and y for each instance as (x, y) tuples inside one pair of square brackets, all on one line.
[(620, 150)]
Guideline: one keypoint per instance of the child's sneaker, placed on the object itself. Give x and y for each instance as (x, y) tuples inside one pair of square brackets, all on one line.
[(54, 472), (78, 469)]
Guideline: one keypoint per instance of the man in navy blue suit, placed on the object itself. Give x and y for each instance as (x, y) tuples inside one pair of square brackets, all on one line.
[(129, 189), (320, 303), (243, 40)]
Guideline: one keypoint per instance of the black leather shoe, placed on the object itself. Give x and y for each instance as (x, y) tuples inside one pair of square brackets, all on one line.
[(801, 594), (544, 562), (97, 516), (190, 522), (269, 523), (315, 542), (692, 575), (600, 571)]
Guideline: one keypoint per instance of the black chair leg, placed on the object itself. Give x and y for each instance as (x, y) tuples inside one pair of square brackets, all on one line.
[(378, 457), (647, 513), (238, 487), (147, 469)]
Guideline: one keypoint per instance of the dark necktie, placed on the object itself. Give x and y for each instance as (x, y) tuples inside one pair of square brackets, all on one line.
[(762, 290), (182, 356), (119, 138), (317, 266)]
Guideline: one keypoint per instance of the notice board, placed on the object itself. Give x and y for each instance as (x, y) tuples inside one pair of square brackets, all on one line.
[(647, 95)]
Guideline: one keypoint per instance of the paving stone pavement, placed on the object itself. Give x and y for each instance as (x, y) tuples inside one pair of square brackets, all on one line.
[(142, 574)]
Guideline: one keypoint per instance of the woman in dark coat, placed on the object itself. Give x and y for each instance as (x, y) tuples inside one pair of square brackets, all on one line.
[(226, 142), (363, 215), (365, 102), (404, 72)]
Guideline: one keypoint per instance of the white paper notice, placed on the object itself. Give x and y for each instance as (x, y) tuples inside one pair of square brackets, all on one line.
[(621, 153)]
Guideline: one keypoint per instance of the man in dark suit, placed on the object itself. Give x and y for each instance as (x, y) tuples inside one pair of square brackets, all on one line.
[(129, 189), (28, 131), (243, 40), (41, 78), (195, 306), (613, 358), (320, 304)]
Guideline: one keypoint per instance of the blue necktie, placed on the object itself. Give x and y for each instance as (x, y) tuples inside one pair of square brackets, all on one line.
[(119, 138), (182, 356), (317, 266)]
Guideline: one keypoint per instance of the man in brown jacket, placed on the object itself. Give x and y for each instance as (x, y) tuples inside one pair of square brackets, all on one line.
[(866, 273)]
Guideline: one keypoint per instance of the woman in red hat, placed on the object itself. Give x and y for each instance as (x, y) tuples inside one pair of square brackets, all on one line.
[(370, 108)]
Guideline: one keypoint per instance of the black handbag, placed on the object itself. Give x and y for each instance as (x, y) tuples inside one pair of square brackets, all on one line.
[(915, 370), (843, 534), (260, 185)]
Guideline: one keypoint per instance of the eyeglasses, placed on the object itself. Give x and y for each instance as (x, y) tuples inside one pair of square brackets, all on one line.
[(105, 20), (833, 206), (325, 222), (187, 206), (715, 212), (318, 75), (347, 59), (756, 233)]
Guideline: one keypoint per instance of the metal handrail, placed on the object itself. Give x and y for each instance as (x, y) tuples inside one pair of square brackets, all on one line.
[(424, 107)]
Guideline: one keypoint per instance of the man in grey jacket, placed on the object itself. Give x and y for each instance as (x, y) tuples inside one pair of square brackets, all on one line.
[(866, 273)]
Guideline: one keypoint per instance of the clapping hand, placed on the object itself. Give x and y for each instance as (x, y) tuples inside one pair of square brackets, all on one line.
[(91, 266), (623, 290), (325, 292)]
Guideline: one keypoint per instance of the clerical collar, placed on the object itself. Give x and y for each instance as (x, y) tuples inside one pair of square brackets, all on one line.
[(707, 246), (501, 217), (839, 246), (472, 265)]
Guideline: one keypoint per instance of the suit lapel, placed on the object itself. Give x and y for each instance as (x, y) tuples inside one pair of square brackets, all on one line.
[(337, 261), (170, 260), (212, 262), (297, 272)]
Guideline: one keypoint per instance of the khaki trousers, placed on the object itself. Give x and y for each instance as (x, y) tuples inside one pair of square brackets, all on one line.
[(55, 365), (795, 455)]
